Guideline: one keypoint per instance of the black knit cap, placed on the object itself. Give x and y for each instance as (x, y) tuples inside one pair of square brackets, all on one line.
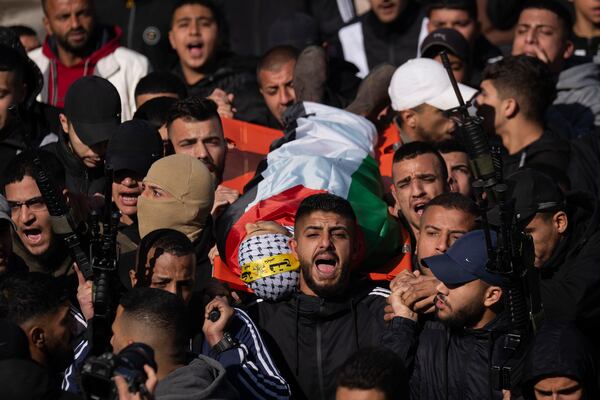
[(135, 145)]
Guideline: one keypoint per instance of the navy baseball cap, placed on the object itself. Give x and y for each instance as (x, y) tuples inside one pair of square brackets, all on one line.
[(465, 261)]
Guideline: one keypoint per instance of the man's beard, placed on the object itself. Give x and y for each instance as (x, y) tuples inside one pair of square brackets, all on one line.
[(59, 359), (333, 289), (465, 317), (79, 49)]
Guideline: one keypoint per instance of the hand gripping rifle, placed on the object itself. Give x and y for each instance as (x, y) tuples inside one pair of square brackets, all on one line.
[(513, 255), (104, 258), (63, 223)]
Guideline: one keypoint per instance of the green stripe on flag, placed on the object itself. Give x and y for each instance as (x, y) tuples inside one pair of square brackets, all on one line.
[(381, 231)]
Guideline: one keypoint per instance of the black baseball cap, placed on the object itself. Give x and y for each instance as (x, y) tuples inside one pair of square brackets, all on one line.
[(531, 192), (134, 145), (445, 39), (93, 106), (465, 261)]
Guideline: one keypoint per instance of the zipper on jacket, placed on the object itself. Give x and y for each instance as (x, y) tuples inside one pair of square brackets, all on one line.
[(130, 26), (320, 355)]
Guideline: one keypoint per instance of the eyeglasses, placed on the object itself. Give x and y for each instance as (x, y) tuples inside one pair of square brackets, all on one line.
[(34, 204)]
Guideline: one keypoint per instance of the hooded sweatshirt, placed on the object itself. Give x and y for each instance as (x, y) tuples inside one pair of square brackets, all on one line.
[(577, 93), (203, 378), (105, 40), (559, 349)]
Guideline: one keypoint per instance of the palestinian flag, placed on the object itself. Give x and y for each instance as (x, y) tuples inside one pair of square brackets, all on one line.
[(329, 150)]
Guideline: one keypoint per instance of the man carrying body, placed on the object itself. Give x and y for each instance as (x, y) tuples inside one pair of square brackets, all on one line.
[(418, 175), (453, 354), (275, 73), (333, 314), (421, 92), (195, 128)]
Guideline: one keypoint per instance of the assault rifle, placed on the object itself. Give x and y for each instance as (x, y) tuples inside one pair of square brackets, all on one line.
[(104, 258), (513, 254)]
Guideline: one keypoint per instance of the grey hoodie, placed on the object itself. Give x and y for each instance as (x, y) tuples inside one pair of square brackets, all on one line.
[(577, 97), (203, 378)]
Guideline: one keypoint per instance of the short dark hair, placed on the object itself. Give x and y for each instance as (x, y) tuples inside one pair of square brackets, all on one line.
[(155, 110), (160, 310), (450, 146), (28, 296), (168, 241), (275, 57), (161, 82), (527, 80), (11, 61), (193, 108), (556, 7), (375, 368), (470, 6), (22, 165), (454, 201), (22, 30), (326, 202), (217, 12), (412, 150)]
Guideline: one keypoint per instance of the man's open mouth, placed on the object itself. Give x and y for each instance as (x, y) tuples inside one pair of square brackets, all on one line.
[(195, 48), (129, 199), (326, 264), (33, 236)]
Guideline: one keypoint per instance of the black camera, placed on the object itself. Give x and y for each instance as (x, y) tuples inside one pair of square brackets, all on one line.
[(97, 372)]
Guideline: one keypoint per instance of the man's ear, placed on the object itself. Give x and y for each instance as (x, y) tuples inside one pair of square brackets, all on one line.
[(171, 39), (67, 195), (37, 337), (569, 50), (510, 107), (493, 295), (294, 246), (64, 122), (560, 222), (47, 26), (409, 118), (395, 196), (132, 278)]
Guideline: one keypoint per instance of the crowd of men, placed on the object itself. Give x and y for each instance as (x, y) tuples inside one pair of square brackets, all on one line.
[(115, 214)]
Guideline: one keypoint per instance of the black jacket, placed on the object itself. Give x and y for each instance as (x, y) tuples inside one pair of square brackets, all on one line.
[(310, 337), (453, 364), (570, 280), (548, 152), (232, 74), (78, 177), (394, 43)]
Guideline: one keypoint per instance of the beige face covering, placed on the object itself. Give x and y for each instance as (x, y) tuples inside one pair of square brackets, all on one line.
[(190, 183)]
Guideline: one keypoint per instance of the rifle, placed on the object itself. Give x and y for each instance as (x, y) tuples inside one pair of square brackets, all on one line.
[(513, 254), (61, 219), (104, 256)]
